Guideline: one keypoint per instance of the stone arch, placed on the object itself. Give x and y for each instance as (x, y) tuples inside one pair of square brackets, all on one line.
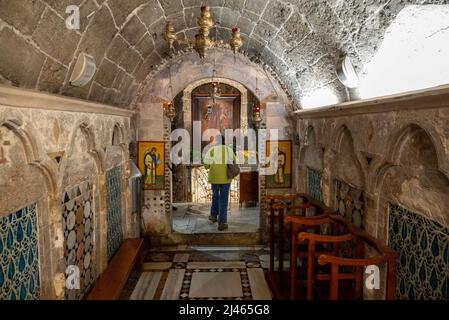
[(412, 174), (184, 72), (187, 96), (32, 153), (88, 133), (411, 184), (116, 140), (117, 135), (34, 183), (115, 193), (311, 153), (83, 184), (400, 138), (344, 147), (311, 164), (347, 178)]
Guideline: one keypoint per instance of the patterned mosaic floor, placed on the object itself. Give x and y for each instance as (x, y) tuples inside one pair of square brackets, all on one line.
[(200, 273)]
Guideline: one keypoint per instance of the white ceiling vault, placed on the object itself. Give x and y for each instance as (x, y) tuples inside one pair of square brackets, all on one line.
[(300, 40)]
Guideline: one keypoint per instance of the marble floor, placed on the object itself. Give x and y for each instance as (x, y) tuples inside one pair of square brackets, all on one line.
[(200, 273), (190, 218)]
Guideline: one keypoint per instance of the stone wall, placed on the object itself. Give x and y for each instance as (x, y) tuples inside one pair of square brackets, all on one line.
[(393, 151), (54, 153), (300, 40)]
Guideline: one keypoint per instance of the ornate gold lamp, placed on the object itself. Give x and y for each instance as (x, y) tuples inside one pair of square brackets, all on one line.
[(202, 43), (257, 118), (170, 34), (236, 41)]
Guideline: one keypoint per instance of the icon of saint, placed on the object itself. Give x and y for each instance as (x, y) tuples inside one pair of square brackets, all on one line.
[(152, 160)]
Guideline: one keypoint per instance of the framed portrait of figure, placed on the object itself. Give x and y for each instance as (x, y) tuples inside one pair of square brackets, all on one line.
[(151, 163), (281, 176)]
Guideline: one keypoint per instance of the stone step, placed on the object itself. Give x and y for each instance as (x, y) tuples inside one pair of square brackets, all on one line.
[(211, 239)]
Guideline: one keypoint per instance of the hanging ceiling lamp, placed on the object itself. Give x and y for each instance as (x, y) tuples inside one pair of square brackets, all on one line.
[(257, 119), (202, 42), (168, 106)]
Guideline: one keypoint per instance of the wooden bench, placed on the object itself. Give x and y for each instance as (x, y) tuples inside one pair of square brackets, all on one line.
[(111, 282)]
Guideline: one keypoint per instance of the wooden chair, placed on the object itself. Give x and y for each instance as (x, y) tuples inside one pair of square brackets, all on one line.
[(385, 255), (357, 275), (354, 266), (292, 232), (281, 207), (317, 245)]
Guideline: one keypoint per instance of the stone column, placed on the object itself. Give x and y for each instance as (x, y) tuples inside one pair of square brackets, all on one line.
[(152, 127), (101, 210), (53, 279), (327, 179)]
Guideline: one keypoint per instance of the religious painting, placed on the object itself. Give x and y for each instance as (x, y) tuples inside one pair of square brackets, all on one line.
[(151, 162), (220, 115), (217, 116), (282, 155)]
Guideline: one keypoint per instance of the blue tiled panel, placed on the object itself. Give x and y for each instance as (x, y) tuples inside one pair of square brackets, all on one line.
[(19, 256), (314, 184), (423, 245), (114, 200), (78, 226)]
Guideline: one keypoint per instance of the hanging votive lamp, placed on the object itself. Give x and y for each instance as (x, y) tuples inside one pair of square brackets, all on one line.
[(169, 110), (256, 115)]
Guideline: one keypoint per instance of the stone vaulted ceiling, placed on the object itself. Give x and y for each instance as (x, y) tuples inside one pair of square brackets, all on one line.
[(300, 40)]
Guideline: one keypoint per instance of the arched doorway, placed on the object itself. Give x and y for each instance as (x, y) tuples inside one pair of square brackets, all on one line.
[(191, 191)]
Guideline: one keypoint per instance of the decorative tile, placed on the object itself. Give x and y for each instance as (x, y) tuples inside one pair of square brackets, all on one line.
[(147, 266), (423, 245), (180, 281), (114, 204), (146, 286), (160, 257), (77, 210), (350, 203), (216, 284), (173, 284), (216, 264), (19, 264), (259, 286), (314, 180), (181, 257)]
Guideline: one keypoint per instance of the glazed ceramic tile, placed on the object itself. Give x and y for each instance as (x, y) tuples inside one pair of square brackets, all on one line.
[(114, 205), (19, 264), (350, 203), (78, 235), (314, 184), (423, 245)]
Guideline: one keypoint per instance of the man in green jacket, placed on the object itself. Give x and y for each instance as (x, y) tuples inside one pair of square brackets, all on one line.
[(216, 160)]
